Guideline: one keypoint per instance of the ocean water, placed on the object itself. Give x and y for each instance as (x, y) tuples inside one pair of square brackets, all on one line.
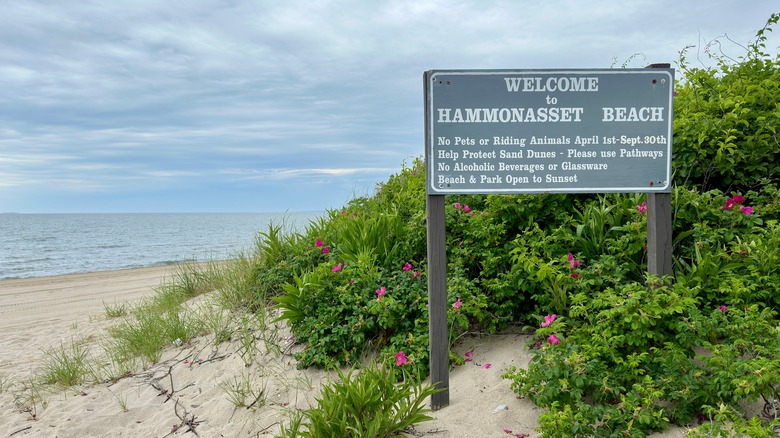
[(36, 245)]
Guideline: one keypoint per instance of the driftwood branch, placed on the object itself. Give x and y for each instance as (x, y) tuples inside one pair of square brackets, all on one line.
[(186, 419), (20, 430)]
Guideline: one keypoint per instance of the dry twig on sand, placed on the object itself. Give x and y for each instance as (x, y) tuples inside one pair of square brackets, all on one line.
[(186, 418)]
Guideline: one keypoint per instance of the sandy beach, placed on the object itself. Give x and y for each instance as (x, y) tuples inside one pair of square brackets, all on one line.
[(185, 393)]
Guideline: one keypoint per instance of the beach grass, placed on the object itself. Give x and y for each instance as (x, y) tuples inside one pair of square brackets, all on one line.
[(245, 391), (162, 320), (116, 310), (121, 400), (236, 283), (150, 329), (5, 383), (194, 279), (67, 365), (216, 320), (144, 330), (31, 398)]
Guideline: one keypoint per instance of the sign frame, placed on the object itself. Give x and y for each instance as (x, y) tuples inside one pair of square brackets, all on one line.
[(480, 107)]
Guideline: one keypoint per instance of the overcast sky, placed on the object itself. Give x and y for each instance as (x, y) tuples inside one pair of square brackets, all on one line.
[(167, 106)]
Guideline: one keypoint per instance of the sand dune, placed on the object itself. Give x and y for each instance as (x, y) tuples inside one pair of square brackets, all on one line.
[(187, 389)]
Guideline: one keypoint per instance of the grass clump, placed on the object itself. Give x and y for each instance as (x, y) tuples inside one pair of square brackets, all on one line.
[(117, 310), (194, 279), (5, 383), (244, 391), (217, 321), (158, 322), (237, 284), (365, 403), (150, 329), (31, 398), (67, 366)]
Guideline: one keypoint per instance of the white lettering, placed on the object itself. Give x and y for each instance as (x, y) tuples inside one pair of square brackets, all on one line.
[(632, 114), (556, 83)]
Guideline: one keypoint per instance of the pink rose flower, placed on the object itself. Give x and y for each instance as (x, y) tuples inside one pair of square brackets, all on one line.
[(548, 319), (400, 358)]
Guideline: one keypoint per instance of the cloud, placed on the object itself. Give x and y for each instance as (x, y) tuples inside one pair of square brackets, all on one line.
[(297, 173), (143, 98)]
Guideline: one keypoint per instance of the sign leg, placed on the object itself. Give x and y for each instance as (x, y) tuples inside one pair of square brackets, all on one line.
[(437, 301), (659, 234)]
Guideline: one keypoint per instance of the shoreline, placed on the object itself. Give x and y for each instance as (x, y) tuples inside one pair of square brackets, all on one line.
[(171, 265), (100, 271)]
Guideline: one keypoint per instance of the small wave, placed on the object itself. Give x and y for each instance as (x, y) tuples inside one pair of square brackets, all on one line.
[(173, 262)]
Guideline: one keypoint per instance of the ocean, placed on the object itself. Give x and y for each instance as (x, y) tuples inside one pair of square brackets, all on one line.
[(37, 245)]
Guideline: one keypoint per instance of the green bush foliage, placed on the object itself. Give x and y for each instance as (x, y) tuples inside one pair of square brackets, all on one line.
[(618, 353), (726, 118)]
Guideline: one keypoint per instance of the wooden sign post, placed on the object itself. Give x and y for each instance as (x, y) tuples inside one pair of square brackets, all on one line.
[(437, 300), (659, 227)]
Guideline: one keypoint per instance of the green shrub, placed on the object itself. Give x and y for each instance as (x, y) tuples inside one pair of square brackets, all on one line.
[(609, 360), (726, 118), (742, 359)]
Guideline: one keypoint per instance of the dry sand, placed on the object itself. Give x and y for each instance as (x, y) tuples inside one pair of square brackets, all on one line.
[(187, 387)]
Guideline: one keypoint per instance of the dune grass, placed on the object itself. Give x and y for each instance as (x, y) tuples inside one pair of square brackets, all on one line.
[(245, 391), (31, 398), (67, 365), (5, 383), (162, 320), (116, 310), (142, 332)]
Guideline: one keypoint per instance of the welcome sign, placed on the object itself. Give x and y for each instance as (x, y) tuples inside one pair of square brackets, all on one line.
[(544, 131)]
